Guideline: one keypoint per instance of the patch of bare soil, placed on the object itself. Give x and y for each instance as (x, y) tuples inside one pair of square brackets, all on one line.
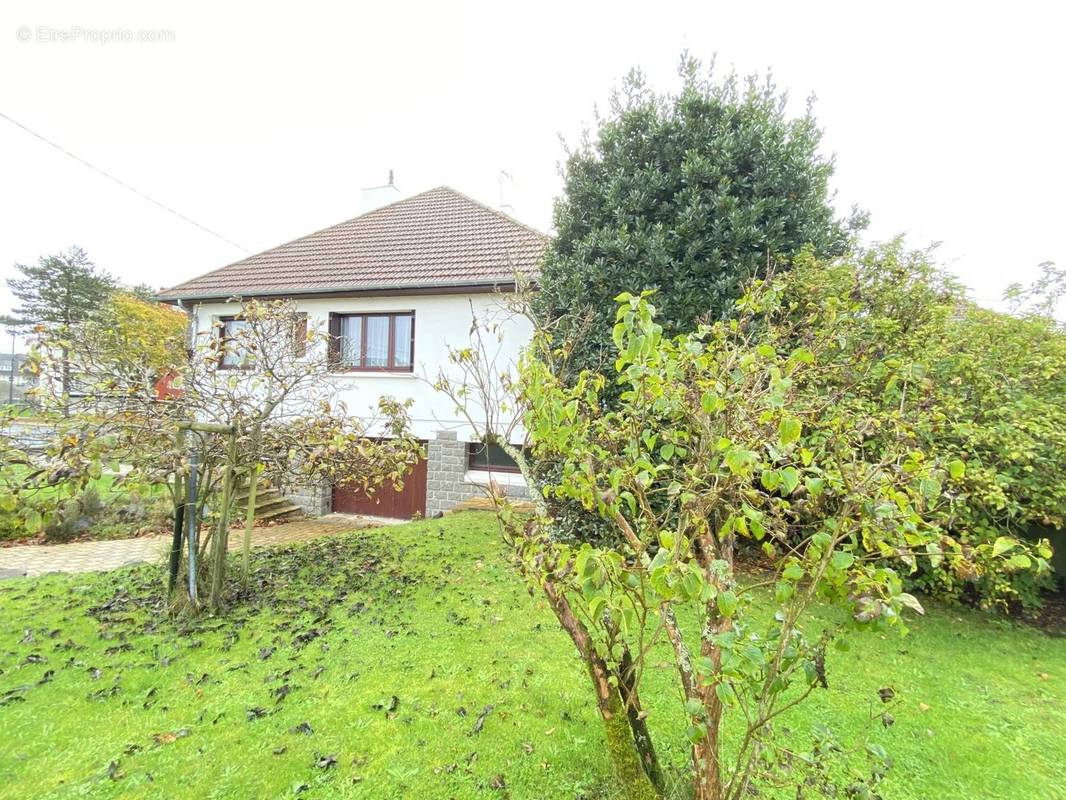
[(1051, 617)]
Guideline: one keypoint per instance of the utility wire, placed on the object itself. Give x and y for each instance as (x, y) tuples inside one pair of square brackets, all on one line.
[(124, 185)]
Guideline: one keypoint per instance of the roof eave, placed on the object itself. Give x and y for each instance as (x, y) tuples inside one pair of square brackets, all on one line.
[(479, 286)]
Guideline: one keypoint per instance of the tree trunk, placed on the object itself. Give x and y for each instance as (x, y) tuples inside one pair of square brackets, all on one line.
[(627, 689), (620, 744), (221, 549), (65, 378), (705, 762), (628, 765), (706, 754)]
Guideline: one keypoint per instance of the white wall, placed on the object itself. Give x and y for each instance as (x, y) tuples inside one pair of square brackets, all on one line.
[(441, 321)]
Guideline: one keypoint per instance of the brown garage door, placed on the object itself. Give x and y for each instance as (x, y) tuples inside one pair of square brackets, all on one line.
[(386, 501)]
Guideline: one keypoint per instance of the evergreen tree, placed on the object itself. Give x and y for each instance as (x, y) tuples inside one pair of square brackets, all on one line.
[(60, 292), (690, 194)]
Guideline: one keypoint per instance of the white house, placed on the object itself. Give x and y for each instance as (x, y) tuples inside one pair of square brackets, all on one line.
[(396, 288)]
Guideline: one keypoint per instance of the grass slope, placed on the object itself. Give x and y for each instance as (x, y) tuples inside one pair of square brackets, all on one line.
[(361, 665)]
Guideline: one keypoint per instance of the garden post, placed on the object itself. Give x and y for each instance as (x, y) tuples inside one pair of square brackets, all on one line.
[(218, 571), (179, 516), (249, 518)]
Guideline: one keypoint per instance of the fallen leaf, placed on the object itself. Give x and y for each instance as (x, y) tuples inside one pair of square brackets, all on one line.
[(388, 706), (168, 738), (480, 723)]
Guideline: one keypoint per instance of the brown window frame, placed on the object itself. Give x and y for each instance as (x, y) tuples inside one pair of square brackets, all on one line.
[(472, 447), (335, 341)]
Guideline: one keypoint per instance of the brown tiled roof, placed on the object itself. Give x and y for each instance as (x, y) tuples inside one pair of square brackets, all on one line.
[(439, 238)]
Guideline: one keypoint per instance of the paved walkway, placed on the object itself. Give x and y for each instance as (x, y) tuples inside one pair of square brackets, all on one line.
[(36, 559)]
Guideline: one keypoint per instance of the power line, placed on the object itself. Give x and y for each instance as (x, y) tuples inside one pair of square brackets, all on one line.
[(124, 185)]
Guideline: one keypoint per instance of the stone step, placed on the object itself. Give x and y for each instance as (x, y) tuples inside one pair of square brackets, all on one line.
[(270, 504), (261, 498), (282, 512), (264, 488)]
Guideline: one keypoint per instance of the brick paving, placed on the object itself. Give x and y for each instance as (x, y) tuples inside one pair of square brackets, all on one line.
[(36, 559)]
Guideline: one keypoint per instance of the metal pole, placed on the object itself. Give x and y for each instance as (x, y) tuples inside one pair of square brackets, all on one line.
[(191, 522), (11, 385)]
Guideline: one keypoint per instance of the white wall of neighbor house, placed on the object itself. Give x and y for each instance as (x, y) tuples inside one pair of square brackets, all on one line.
[(441, 322)]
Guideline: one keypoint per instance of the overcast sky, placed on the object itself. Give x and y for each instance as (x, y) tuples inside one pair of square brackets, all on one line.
[(263, 122)]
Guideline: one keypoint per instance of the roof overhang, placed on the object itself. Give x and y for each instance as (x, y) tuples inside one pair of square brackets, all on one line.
[(382, 290)]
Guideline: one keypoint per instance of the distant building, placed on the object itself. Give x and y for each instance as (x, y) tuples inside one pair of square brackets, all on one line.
[(22, 380)]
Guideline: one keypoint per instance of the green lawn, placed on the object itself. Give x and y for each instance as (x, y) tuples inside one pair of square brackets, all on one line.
[(390, 643)]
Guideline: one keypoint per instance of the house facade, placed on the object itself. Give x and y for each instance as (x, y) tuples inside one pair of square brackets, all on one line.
[(396, 288)]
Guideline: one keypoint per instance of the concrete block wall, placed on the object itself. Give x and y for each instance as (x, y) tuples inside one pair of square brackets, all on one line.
[(445, 468), (314, 500), (446, 484)]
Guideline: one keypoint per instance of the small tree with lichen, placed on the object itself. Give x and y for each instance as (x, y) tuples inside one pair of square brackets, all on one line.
[(725, 438)]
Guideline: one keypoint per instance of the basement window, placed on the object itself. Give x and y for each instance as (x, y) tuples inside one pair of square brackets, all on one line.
[(483, 457)]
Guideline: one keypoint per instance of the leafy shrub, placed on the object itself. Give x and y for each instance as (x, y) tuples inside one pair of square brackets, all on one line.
[(75, 517), (984, 391)]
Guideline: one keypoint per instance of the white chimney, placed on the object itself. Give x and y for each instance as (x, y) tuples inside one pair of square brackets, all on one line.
[(378, 196), (506, 192)]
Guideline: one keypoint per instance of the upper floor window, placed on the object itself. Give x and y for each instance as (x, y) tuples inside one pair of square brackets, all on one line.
[(373, 341), (233, 339), (232, 354)]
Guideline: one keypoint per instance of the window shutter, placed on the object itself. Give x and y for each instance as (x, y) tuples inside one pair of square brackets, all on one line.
[(219, 340), (334, 340), (300, 335)]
